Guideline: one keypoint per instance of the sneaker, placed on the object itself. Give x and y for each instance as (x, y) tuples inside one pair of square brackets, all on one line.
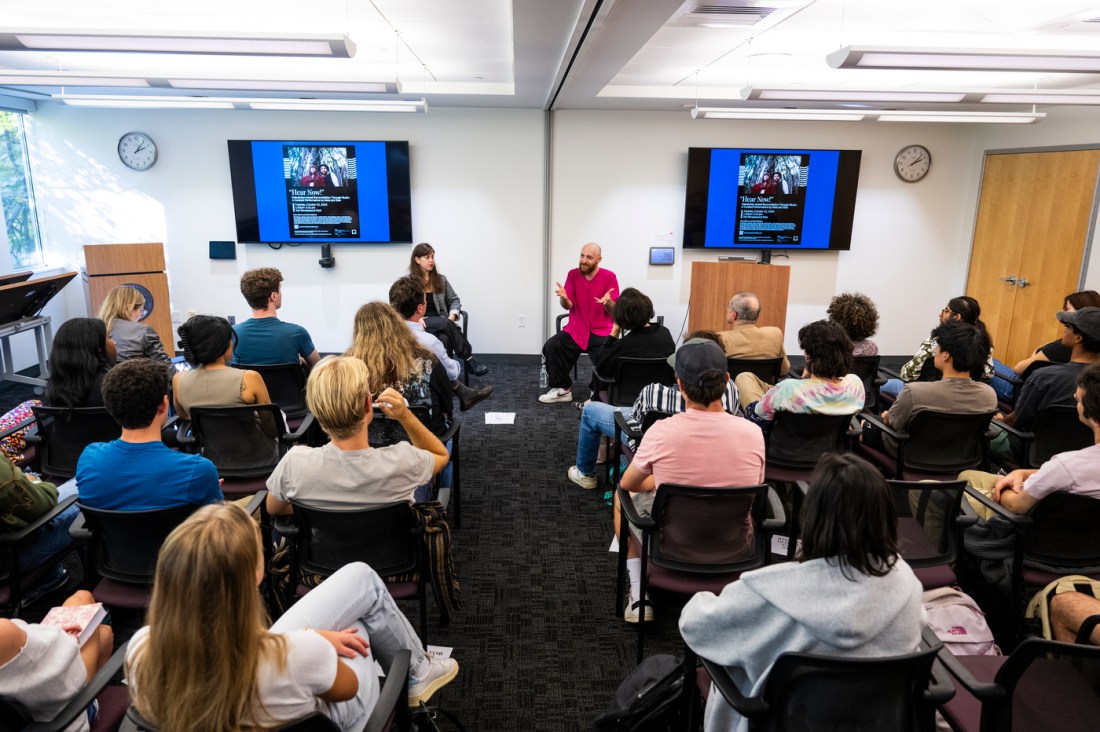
[(440, 673), (588, 482), (475, 367), (557, 396), (630, 613)]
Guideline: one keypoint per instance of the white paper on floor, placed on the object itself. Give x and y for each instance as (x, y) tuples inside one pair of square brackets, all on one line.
[(780, 544), (614, 544), (500, 418)]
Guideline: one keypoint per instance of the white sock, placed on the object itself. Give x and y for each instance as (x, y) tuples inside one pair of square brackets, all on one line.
[(634, 570)]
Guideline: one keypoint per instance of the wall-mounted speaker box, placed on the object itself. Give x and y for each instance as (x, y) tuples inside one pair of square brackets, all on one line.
[(223, 250)]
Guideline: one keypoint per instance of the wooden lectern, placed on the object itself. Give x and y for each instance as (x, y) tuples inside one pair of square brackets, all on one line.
[(714, 283), (140, 266)]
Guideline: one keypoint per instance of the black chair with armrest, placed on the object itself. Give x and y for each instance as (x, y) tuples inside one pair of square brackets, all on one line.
[(286, 385), (385, 430), (465, 318), (1044, 685), (63, 433), (1018, 382), (619, 448), (388, 538), (867, 369), (931, 518), (1057, 537), (123, 547), (113, 701), (1056, 429), (768, 369), (812, 692), (557, 329), (796, 441), (16, 580), (630, 376), (696, 539), (934, 446)]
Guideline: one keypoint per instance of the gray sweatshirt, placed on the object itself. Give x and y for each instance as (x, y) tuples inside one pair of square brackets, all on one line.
[(807, 607)]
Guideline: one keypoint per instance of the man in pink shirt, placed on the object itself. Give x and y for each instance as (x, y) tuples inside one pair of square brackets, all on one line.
[(589, 295), (703, 446)]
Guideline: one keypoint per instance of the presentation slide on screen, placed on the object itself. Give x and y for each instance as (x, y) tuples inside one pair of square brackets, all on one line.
[(316, 192), (781, 198)]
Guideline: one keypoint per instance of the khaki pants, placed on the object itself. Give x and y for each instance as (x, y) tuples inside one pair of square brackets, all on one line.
[(982, 482), (750, 388)]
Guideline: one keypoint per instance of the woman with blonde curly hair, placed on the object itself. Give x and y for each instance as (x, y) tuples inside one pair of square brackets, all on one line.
[(207, 662), (395, 359), (121, 311), (858, 316)]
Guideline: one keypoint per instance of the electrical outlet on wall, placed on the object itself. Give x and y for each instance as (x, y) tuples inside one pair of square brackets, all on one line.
[(232, 319), (522, 321), (192, 313)]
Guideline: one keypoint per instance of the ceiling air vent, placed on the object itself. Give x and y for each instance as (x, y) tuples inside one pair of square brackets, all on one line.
[(731, 14)]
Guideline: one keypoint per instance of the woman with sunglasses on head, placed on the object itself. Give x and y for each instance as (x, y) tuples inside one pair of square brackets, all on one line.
[(121, 313), (207, 343), (443, 308)]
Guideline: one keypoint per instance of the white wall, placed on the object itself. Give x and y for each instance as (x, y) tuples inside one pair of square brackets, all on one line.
[(477, 196), (618, 179)]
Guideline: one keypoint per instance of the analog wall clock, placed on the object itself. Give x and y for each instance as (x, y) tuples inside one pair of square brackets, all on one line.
[(137, 150), (912, 163)]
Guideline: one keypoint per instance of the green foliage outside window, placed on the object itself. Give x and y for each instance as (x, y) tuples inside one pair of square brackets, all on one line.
[(15, 192)]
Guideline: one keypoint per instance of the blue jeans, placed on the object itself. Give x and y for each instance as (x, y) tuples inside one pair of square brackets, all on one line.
[(54, 535), (355, 596), (597, 419), (1003, 388), (892, 387)]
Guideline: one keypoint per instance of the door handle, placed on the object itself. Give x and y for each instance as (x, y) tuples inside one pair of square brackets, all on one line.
[(1011, 279), (1023, 282)]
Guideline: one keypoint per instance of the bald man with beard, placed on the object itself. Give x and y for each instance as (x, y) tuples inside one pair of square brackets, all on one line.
[(589, 295)]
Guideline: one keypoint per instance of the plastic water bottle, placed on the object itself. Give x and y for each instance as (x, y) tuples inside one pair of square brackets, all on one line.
[(544, 378)]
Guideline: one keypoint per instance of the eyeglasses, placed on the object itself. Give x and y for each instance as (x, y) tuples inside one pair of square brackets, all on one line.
[(945, 311)]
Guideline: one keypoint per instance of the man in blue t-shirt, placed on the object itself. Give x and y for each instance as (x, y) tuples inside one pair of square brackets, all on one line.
[(263, 339), (138, 472)]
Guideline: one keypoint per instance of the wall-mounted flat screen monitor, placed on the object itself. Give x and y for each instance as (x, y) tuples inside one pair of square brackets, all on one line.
[(301, 191), (740, 198)]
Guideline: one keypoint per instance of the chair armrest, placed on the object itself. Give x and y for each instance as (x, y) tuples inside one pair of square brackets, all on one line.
[(287, 526), (746, 706), (10, 537), (396, 684), (997, 425), (967, 515), (626, 505), (557, 321), (28, 422), (465, 321), (624, 426), (803, 486), (982, 690), (780, 515), (255, 501), (79, 703), (1085, 631), (600, 377), (452, 430), (292, 438), (793, 373), (855, 429), (877, 422), (78, 529), (890, 373), (184, 436), (997, 508)]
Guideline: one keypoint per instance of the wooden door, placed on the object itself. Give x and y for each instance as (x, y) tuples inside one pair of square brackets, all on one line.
[(1033, 217)]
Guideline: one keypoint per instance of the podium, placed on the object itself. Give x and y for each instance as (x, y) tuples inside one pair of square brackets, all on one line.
[(714, 283), (140, 266)]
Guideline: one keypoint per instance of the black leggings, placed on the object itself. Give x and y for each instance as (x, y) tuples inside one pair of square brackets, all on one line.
[(452, 337)]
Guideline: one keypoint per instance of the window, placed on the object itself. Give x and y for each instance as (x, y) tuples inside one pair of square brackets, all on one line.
[(16, 194)]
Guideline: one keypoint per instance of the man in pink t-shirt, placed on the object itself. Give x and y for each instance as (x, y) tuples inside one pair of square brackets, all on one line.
[(589, 295), (703, 446)]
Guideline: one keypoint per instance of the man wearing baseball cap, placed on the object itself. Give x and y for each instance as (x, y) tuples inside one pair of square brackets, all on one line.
[(703, 446), (1053, 385)]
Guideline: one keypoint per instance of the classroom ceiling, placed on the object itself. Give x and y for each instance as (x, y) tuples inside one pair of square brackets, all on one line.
[(570, 54)]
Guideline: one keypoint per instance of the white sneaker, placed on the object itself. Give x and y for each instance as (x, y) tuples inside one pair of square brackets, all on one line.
[(557, 396), (630, 613), (440, 673), (588, 482)]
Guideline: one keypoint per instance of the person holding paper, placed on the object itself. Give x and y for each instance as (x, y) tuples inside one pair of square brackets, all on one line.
[(43, 667)]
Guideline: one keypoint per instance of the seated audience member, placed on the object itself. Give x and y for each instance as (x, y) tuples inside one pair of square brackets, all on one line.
[(138, 472), (208, 342), (408, 299), (858, 316), (633, 335), (23, 499), (959, 348), (121, 313), (42, 667), (598, 418), (848, 594), (1053, 385), (1077, 471), (1068, 610), (745, 339), (919, 368), (442, 308), (827, 386), (671, 451), (347, 472), (263, 339), (207, 660), (1054, 351), (395, 359)]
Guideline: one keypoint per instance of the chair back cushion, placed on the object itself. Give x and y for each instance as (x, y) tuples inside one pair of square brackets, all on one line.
[(242, 441), (866, 368), (927, 520), (64, 434), (708, 530), (631, 375), (798, 440), (385, 537), (126, 543), (942, 442), (286, 384), (1056, 429), (766, 368), (1064, 532)]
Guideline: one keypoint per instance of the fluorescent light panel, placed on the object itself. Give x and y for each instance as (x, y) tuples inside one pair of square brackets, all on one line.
[(1003, 118), (337, 105), (333, 46), (29, 78), (1039, 98), (351, 87), (872, 114), (150, 103), (836, 95), (961, 59), (321, 105), (818, 115)]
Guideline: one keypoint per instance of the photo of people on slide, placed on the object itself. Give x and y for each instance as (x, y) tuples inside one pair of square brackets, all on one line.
[(772, 199), (330, 209)]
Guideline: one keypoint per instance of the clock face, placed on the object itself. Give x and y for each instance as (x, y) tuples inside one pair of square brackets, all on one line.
[(913, 163), (137, 150)]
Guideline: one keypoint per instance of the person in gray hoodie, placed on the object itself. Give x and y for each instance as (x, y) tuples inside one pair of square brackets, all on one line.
[(849, 593)]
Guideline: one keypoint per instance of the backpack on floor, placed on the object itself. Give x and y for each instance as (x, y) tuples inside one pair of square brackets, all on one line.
[(958, 622), (647, 700), (1039, 607)]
